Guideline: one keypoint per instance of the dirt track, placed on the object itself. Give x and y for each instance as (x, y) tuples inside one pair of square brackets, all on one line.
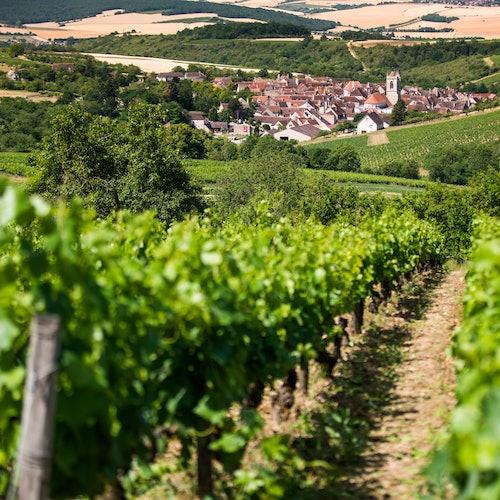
[(420, 401)]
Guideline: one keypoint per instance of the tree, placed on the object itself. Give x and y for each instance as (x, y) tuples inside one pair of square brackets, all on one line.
[(326, 200), (221, 149), (186, 141), (456, 164), (185, 94), (155, 178), (16, 50), (112, 165), (344, 157), (101, 98), (213, 114), (399, 168), (485, 189), (318, 157), (276, 172), (398, 112)]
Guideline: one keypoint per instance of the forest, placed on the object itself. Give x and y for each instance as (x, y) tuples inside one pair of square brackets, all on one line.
[(231, 31), (32, 11)]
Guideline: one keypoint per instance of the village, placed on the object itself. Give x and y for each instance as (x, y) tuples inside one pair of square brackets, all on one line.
[(303, 107)]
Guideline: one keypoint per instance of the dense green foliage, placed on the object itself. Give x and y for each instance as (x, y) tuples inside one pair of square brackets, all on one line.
[(318, 57), (398, 168), (457, 164), (30, 11), (344, 158), (113, 166), (471, 455), (450, 210), (23, 124), (225, 30), (15, 164), (439, 64), (172, 331), (437, 18), (452, 73)]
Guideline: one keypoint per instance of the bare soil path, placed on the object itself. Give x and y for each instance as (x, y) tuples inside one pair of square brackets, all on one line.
[(350, 48), (419, 403), (378, 138)]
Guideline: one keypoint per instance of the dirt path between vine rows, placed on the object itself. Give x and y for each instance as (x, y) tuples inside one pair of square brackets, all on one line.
[(420, 401)]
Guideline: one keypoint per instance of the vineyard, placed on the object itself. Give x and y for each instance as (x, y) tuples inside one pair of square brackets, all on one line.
[(416, 142), (210, 171), (15, 163), (182, 330), (473, 448)]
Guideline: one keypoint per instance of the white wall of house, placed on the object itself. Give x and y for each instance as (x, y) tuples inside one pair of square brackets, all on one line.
[(366, 125), (288, 135)]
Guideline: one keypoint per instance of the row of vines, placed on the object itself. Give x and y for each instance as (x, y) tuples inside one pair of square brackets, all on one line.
[(472, 454), (165, 333)]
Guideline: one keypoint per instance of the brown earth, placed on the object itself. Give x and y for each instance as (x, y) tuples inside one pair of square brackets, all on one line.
[(421, 400), (378, 138)]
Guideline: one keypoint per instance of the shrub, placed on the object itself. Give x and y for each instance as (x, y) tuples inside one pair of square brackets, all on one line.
[(456, 164), (398, 168), (344, 157)]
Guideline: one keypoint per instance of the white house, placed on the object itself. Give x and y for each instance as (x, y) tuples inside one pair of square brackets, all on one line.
[(372, 122), (197, 120), (301, 133)]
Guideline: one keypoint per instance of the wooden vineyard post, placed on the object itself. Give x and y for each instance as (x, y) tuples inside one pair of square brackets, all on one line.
[(358, 315), (32, 473), (204, 467), (303, 375)]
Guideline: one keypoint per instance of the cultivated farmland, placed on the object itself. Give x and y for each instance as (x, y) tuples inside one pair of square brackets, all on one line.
[(415, 143)]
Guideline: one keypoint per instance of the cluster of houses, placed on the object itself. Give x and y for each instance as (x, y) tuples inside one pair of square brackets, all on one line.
[(303, 107)]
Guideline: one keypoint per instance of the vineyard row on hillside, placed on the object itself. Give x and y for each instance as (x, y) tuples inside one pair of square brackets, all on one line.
[(471, 455), (169, 330)]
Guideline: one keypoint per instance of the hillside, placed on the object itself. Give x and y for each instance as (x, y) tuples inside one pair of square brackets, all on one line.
[(417, 141), (34, 11), (427, 64)]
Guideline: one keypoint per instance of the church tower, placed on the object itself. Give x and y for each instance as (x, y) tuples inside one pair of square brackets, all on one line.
[(393, 87)]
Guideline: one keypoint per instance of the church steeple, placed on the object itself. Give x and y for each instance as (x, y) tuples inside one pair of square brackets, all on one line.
[(393, 87)]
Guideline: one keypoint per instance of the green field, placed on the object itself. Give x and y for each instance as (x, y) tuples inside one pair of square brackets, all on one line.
[(415, 143), (15, 163), (208, 172)]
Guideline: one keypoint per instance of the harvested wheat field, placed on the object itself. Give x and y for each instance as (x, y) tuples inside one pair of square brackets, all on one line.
[(115, 21), (473, 21)]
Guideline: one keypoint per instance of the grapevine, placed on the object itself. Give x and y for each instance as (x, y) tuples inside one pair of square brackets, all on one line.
[(172, 328)]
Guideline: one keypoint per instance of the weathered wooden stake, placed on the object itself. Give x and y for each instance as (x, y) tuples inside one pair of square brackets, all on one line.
[(303, 375), (204, 467), (32, 473), (358, 316)]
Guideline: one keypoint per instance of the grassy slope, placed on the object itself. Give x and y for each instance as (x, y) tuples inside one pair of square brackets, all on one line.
[(329, 57), (15, 163), (415, 143), (209, 171)]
